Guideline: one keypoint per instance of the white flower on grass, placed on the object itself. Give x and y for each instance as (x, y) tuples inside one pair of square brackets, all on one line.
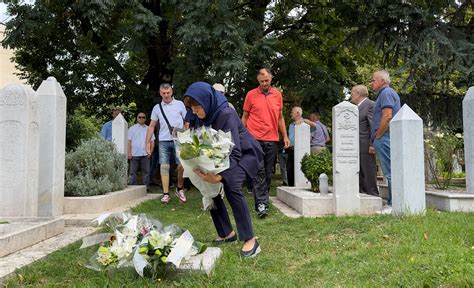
[(159, 240), (131, 228), (123, 245), (104, 256), (458, 135)]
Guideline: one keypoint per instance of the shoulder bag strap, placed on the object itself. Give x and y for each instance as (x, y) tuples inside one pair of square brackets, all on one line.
[(164, 116)]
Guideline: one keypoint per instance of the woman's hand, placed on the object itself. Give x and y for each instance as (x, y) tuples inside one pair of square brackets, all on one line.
[(208, 177)]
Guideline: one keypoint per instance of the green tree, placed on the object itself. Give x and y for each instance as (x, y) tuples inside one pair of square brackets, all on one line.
[(429, 46), (108, 52)]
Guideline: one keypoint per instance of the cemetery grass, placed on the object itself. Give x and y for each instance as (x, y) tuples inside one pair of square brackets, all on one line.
[(363, 251)]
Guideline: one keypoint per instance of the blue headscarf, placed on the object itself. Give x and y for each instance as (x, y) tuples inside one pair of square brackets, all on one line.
[(211, 100)]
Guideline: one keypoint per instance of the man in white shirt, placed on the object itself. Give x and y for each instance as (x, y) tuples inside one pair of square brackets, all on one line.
[(137, 151), (170, 114)]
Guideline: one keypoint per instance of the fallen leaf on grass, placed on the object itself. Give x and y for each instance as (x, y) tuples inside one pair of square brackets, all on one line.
[(330, 237), (425, 236)]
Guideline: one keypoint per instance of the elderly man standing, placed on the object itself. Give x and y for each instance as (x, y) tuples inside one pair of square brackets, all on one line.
[(137, 151), (386, 106), (368, 168), (170, 114), (297, 117), (263, 115), (319, 134)]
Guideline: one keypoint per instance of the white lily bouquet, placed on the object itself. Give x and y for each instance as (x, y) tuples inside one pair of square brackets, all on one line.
[(141, 242), (207, 150)]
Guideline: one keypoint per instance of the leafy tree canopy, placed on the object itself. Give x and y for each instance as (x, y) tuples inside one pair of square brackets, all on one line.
[(107, 52)]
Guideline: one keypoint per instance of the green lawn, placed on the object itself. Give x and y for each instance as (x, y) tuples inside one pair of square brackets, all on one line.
[(430, 251)]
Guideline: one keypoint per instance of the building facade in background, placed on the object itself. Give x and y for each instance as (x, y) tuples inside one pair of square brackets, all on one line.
[(7, 67)]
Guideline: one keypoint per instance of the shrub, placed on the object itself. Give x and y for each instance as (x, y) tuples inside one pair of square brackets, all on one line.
[(95, 168), (313, 165), (439, 151), (79, 127)]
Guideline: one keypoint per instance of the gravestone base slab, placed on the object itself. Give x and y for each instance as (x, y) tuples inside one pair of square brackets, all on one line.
[(20, 233), (449, 201), (85, 220), (100, 203), (383, 190), (205, 262), (370, 204), (308, 203)]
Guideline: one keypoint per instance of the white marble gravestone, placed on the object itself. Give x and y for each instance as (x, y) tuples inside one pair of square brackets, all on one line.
[(345, 123), (19, 150), (468, 125), (407, 163), (52, 125), (120, 134), (457, 168), (302, 147)]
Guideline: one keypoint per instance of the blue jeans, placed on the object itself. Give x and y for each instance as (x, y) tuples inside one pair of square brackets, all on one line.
[(167, 150), (382, 148)]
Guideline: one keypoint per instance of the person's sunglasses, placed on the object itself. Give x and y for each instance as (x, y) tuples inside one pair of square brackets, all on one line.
[(141, 117)]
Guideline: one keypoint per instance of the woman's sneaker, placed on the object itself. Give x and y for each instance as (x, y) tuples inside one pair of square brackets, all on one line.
[(165, 199), (180, 194)]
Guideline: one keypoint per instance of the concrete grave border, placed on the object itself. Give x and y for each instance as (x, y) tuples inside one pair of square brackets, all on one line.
[(23, 232), (100, 203)]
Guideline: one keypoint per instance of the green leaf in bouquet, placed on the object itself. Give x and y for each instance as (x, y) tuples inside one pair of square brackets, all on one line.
[(206, 139), (195, 140), (189, 151), (201, 247)]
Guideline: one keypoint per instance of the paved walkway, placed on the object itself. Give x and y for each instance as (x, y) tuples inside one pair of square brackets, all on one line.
[(24, 257)]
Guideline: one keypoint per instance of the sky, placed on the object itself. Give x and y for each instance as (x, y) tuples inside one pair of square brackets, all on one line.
[(3, 11)]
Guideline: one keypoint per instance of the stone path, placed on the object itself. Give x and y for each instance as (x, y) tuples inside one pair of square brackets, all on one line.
[(24, 257)]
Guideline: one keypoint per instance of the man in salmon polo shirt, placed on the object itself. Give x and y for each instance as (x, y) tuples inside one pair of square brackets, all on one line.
[(263, 116)]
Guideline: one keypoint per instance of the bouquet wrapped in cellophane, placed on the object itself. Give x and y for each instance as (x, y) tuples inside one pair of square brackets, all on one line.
[(207, 150), (141, 242)]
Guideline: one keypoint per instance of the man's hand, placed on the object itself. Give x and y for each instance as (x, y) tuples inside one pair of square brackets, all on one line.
[(129, 156), (371, 150), (148, 149), (208, 177), (287, 142)]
